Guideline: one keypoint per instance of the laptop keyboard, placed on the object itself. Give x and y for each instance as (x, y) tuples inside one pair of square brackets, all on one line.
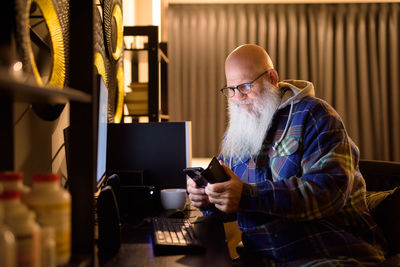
[(175, 236)]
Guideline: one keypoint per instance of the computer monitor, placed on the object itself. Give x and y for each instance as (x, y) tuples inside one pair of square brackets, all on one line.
[(101, 105), (157, 150)]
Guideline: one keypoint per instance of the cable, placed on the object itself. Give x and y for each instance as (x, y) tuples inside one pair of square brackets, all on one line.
[(22, 115), (55, 156), (65, 181)]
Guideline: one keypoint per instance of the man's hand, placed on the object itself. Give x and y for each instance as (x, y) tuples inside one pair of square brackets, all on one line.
[(226, 195), (197, 195)]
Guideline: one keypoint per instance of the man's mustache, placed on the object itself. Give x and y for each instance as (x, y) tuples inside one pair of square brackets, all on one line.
[(243, 102)]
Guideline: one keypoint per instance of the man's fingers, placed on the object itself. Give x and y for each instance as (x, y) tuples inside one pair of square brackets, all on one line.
[(195, 190), (199, 201), (217, 187), (217, 201), (197, 195), (194, 197), (190, 182)]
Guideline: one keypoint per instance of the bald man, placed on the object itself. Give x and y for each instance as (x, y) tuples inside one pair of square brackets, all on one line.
[(294, 179)]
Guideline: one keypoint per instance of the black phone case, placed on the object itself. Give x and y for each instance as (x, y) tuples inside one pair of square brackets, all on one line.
[(215, 173), (195, 174)]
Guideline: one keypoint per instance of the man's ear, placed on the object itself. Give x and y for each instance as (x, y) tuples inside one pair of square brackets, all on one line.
[(273, 77)]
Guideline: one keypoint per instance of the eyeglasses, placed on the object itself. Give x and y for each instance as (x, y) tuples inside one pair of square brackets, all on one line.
[(244, 88)]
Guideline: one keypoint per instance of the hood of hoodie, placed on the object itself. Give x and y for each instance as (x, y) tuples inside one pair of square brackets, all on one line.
[(294, 90)]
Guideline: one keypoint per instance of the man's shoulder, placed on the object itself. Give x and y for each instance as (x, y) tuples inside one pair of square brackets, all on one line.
[(312, 101), (314, 111), (315, 106)]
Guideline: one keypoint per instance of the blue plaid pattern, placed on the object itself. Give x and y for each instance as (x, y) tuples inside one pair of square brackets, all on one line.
[(306, 197)]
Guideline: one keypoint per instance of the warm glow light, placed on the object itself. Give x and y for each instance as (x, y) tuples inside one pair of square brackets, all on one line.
[(126, 112), (128, 78), (156, 18), (143, 119), (129, 12), (17, 66), (128, 119)]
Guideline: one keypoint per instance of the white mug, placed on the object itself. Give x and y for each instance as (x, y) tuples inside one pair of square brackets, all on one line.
[(173, 198)]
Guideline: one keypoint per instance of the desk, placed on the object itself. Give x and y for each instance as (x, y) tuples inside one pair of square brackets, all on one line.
[(136, 248)]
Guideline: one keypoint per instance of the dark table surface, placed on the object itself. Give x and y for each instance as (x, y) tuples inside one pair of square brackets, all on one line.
[(136, 247)]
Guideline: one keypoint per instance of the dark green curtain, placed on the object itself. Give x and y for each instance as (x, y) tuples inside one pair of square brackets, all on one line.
[(349, 51)]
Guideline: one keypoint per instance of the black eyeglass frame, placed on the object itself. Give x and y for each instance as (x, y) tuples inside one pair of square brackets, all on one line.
[(231, 89)]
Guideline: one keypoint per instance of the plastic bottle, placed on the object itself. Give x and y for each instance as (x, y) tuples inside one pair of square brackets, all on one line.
[(22, 223), (7, 242), (48, 247), (52, 205), (13, 181)]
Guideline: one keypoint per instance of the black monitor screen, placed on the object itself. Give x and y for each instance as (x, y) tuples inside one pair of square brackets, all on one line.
[(159, 150)]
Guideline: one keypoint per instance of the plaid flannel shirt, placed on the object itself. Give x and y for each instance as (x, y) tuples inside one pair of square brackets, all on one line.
[(303, 194)]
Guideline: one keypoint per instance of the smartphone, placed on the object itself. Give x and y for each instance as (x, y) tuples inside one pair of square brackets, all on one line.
[(195, 174), (214, 173)]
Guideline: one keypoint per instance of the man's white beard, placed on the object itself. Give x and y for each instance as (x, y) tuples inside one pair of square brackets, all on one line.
[(246, 130)]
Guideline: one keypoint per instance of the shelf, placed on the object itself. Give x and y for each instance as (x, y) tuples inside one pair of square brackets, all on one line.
[(25, 91), (163, 56), (150, 44), (164, 117), (161, 53), (136, 49)]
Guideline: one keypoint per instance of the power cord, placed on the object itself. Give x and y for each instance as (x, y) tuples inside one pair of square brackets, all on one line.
[(23, 114), (55, 156)]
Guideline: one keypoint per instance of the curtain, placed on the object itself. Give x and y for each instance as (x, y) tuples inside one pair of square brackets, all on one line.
[(349, 51)]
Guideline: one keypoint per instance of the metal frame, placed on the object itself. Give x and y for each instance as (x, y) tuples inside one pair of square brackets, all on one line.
[(82, 132), (154, 109)]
